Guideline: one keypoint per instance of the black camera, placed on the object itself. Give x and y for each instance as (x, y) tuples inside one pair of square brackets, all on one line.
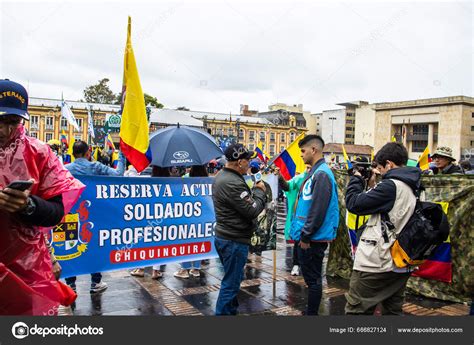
[(362, 166)]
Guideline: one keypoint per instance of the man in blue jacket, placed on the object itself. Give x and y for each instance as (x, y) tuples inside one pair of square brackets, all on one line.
[(82, 165), (316, 218)]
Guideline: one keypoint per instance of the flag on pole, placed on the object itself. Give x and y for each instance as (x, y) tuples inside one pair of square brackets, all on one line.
[(346, 158), (134, 140), (289, 160), (68, 115), (372, 155), (260, 153), (96, 154), (90, 124), (69, 158), (63, 138), (115, 159), (109, 142), (424, 160)]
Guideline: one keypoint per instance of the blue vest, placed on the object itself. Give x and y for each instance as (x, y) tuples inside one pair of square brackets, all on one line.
[(328, 230)]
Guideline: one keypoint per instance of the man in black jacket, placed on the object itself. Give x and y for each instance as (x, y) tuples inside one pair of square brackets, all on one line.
[(237, 208)]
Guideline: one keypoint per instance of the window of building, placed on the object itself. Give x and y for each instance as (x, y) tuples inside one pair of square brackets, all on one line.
[(49, 123), (241, 134), (34, 135), (272, 150), (472, 128), (64, 123), (264, 148), (282, 137), (282, 148), (77, 137), (79, 123), (420, 129), (34, 122), (230, 131), (251, 147), (272, 136), (262, 136), (419, 145), (472, 143), (292, 136), (219, 132), (251, 135), (48, 136)]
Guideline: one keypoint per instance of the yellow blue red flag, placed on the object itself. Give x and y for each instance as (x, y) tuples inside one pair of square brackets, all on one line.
[(134, 139)]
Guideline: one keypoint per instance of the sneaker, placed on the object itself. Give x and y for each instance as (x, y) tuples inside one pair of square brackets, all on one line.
[(195, 272), (295, 271), (98, 287), (182, 273)]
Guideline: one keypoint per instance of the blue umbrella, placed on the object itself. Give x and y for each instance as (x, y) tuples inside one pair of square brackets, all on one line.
[(182, 146)]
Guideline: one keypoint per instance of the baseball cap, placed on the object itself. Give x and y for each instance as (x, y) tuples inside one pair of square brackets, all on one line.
[(234, 152), (13, 99)]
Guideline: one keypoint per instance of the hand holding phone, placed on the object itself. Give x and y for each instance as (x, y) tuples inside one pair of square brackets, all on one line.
[(15, 196)]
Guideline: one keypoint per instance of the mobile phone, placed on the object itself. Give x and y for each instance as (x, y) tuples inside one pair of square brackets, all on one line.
[(20, 185), (258, 177)]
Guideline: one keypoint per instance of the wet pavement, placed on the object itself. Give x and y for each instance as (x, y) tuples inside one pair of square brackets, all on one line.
[(260, 294)]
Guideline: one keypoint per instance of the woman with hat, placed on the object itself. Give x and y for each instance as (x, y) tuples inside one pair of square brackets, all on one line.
[(444, 161)]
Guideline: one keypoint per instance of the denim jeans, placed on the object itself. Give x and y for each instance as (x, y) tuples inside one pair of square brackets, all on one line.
[(311, 264), (233, 256), (95, 279), (191, 264)]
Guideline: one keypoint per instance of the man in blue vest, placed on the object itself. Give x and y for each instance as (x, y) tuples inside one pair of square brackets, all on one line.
[(316, 218)]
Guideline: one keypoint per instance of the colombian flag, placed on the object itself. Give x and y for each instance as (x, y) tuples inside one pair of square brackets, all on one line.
[(69, 158), (109, 142), (63, 138), (439, 265), (134, 141), (260, 153), (290, 161), (346, 158), (115, 159), (424, 160)]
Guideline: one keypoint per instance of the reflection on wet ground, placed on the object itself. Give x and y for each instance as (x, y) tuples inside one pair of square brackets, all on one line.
[(259, 294)]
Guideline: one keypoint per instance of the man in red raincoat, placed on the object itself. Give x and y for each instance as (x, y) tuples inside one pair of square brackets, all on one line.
[(27, 283)]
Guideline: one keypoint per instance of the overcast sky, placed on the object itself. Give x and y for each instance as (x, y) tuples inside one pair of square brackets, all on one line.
[(216, 55)]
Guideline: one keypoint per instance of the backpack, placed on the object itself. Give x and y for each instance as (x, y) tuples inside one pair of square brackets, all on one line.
[(426, 229)]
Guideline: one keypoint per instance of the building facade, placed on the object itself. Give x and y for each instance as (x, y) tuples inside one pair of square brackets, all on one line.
[(333, 126), (46, 123), (433, 122)]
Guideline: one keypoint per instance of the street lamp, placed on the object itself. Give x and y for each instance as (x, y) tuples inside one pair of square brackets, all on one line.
[(332, 127)]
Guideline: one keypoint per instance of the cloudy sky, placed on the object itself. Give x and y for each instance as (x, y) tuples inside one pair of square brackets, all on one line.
[(216, 55)]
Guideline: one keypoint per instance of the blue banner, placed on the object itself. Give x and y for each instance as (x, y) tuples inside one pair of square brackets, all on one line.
[(127, 222)]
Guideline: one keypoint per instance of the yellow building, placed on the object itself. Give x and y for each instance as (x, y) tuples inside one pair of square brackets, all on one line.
[(46, 123), (274, 134)]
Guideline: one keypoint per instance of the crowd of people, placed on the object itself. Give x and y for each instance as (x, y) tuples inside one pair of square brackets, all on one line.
[(48, 190)]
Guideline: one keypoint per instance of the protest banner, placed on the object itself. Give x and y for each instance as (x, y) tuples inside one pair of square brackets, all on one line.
[(123, 222)]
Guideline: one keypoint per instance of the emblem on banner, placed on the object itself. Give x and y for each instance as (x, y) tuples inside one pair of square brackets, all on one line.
[(71, 237)]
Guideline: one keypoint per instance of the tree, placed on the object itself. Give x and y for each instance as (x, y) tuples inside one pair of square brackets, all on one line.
[(152, 101), (99, 93)]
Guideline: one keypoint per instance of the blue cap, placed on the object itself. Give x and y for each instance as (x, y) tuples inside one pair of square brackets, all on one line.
[(13, 99), (255, 164)]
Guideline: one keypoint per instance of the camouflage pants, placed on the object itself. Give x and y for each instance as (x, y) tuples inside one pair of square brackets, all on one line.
[(366, 290)]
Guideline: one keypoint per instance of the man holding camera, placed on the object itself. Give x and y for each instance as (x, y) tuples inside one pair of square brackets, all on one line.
[(237, 208), (390, 204), (35, 191), (316, 218)]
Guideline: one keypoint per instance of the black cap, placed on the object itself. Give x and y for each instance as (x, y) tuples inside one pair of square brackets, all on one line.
[(361, 160), (234, 152), (13, 99)]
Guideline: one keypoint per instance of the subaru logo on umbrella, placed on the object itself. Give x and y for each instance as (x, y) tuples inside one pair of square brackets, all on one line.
[(181, 155)]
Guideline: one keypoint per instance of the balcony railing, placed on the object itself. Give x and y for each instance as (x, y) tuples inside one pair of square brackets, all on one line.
[(78, 130), (34, 126), (48, 127)]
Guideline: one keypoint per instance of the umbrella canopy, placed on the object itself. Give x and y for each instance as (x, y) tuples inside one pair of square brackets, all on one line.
[(182, 146)]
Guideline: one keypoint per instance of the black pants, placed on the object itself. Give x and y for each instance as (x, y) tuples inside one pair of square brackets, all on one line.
[(95, 279), (311, 264), (295, 254)]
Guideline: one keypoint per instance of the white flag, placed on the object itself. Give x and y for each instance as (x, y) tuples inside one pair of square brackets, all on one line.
[(68, 115), (90, 125)]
